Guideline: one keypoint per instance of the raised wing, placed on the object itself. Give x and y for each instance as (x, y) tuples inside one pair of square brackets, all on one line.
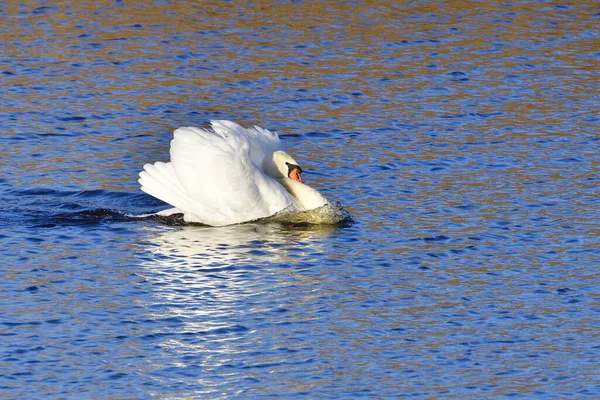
[(261, 141), (214, 178)]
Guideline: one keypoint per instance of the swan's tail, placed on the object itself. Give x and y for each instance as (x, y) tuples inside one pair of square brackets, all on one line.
[(160, 180)]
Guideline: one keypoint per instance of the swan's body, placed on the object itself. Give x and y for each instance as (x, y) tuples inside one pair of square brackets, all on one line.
[(228, 175)]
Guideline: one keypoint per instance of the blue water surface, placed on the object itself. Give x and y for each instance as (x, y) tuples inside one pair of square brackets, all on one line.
[(462, 137)]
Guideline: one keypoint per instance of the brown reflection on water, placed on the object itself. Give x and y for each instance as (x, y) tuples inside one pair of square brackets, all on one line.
[(388, 61), (354, 43)]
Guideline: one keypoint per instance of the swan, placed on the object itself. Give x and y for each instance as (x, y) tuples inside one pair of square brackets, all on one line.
[(227, 175)]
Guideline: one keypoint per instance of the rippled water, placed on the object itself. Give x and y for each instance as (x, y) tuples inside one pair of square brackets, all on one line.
[(461, 136)]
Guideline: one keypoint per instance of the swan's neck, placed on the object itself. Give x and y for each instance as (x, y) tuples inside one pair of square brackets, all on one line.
[(308, 197)]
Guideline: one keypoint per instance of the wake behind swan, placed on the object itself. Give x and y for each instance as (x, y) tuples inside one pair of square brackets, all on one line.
[(228, 175)]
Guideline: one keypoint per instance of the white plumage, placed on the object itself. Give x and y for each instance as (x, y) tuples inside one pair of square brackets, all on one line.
[(228, 175)]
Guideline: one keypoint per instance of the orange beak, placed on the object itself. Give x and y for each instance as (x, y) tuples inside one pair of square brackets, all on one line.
[(295, 175)]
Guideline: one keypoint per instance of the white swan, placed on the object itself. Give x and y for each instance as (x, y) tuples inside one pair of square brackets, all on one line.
[(228, 175)]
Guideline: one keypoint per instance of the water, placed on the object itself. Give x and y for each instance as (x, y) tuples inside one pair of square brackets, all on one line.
[(462, 138)]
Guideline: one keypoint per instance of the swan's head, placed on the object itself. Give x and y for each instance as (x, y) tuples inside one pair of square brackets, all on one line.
[(280, 165)]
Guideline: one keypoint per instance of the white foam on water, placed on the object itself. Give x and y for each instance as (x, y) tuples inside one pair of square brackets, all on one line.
[(329, 214)]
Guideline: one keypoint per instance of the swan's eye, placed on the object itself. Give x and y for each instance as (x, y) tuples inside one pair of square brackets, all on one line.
[(292, 167)]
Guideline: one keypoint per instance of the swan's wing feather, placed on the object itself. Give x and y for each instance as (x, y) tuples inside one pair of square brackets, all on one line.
[(224, 185), (261, 141), (159, 180)]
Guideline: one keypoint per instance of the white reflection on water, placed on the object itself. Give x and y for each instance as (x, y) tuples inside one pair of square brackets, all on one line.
[(248, 243), (206, 275), (215, 293)]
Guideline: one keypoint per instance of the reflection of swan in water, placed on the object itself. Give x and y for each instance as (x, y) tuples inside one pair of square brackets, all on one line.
[(206, 276), (229, 296), (247, 243)]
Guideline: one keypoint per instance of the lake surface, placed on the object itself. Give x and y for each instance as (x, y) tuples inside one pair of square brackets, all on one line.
[(462, 137)]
